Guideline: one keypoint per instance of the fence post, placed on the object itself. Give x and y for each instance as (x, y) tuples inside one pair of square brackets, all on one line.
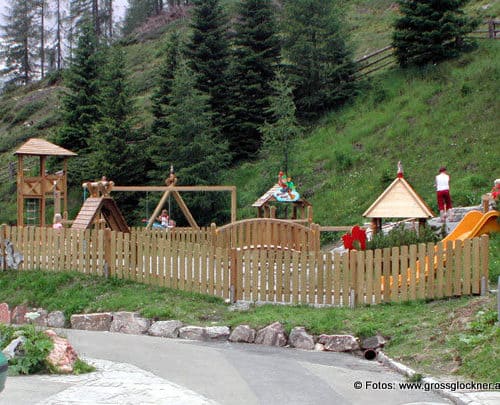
[(213, 234), (107, 252), (491, 29), (3, 236), (233, 293)]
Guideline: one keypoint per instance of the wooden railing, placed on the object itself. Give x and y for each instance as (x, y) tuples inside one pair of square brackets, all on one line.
[(374, 61), (488, 30), (260, 273)]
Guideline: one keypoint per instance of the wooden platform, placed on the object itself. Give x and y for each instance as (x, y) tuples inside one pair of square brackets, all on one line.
[(93, 207)]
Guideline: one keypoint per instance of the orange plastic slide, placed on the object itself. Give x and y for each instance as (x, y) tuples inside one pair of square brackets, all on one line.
[(473, 224)]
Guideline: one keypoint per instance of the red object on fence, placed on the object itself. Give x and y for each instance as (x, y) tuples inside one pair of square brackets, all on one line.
[(357, 234)]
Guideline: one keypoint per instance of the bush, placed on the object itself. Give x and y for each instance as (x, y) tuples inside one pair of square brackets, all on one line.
[(400, 236)]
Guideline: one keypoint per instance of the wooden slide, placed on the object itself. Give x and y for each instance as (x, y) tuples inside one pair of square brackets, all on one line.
[(473, 224), (91, 210)]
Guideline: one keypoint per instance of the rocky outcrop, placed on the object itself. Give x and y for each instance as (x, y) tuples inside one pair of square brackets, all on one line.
[(167, 329), (339, 343), (300, 339), (242, 334), (272, 335), (13, 347), (98, 322), (63, 356), (129, 322)]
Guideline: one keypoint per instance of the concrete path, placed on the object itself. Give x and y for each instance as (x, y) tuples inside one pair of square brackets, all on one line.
[(147, 370)]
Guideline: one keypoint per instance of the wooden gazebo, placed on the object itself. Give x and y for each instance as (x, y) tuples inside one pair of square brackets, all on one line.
[(301, 209), (399, 200), (44, 185)]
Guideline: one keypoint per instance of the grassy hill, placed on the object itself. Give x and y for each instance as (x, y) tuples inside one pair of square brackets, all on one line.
[(443, 115)]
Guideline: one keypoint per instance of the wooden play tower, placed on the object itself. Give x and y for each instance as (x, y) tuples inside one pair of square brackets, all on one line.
[(37, 189)]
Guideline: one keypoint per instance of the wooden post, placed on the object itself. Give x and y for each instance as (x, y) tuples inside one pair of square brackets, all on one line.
[(107, 252), (233, 205), (185, 210), (310, 214), (272, 212), (64, 190), (3, 236), (20, 194), (234, 276), (213, 234), (43, 176)]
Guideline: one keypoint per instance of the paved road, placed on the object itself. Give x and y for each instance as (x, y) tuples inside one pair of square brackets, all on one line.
[(147, 370)]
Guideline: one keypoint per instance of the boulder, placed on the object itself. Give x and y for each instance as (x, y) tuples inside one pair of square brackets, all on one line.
[(129, 322), (18, 314), (100, 321), (319, 347), (271, 335), (300, 339), (63, 356), (242, 334), (339, 343), (4, 313), (192, 333), (167, 329), (372, 342), (220, 333), (56, 319)]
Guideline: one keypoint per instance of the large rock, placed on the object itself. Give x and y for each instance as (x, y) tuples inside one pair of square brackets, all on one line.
[(129, 322), (62, 357), (242, 334), (167, 329), (271, 335), (4, 313), (372, 342), (219, 333), (300, 339), (101, 321), (339, 343), (18, 314), (56, 319), (192, 333)]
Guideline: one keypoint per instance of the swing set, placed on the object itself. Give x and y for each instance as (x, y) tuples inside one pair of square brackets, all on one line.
[(171, 189)]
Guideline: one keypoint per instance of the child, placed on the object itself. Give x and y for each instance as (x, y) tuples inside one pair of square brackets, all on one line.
[(163, 218), (57, 222), (443, 194)]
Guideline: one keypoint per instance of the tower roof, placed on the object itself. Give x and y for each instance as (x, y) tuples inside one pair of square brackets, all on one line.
[(41, 147)]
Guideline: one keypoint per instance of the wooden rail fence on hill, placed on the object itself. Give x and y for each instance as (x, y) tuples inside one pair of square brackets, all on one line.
[(263, 273)]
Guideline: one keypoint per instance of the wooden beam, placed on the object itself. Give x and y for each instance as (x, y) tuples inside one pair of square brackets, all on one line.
[(233, 204), (175, 188), (158, 208), (20, 195), (185, 210)]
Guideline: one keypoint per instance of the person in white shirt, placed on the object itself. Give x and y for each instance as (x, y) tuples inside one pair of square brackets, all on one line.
[(443, 194)]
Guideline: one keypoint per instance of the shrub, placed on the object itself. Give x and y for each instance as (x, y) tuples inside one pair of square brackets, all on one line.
[(400, 236)]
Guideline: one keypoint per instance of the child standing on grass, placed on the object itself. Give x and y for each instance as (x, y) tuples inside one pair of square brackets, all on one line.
[(443, 195)]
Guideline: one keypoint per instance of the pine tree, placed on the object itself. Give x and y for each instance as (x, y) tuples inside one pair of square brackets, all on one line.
[(19, 42), (256, 56), (81, 104), (430, 31), (113, 152), (320, 61), (283, 130), (209, 55), (173, 53), (192, 145)]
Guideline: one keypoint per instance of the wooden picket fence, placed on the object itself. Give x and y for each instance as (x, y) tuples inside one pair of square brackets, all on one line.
[(260, 273)]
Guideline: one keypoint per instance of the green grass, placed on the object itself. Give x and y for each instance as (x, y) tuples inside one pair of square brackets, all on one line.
[(436, 338)]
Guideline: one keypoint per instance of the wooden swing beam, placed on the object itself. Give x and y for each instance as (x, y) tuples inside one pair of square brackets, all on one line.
[(174, 190)]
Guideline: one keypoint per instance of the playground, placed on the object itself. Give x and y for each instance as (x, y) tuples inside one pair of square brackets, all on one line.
[(264, 259)]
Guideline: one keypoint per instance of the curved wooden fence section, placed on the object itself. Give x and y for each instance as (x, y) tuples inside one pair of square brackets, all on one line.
[(281, 234)]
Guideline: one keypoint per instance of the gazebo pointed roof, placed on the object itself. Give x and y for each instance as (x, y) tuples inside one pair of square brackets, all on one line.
[(41, 147), (399, 200)]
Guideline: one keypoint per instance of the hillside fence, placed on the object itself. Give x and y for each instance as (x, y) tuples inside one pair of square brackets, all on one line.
[(264, 273)]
